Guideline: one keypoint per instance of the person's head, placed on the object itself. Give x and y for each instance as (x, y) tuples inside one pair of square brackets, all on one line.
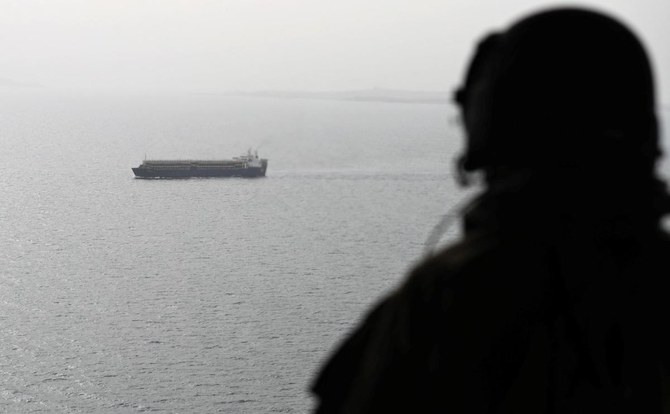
[(560, 90)]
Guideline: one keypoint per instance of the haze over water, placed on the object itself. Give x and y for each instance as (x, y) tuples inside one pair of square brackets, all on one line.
[(201, 295), (121, 295)]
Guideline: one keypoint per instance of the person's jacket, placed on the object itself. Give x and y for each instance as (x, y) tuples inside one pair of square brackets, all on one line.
[(510, 320)]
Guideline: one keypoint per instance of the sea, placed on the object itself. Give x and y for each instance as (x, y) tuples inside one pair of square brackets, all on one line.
[(124, 295)]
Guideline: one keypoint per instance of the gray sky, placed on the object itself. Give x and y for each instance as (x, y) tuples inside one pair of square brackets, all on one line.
[(210, 46)]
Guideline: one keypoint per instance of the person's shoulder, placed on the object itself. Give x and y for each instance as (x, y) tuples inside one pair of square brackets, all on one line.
[(469, 251), (475, 254), (480, 267)]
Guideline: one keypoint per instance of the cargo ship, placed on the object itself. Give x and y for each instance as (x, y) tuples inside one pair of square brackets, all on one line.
[(246, 165)]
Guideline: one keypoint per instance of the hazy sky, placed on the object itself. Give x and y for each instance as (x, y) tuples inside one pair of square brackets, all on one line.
[(219, 45)]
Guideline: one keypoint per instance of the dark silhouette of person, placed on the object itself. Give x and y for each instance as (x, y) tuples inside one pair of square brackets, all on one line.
[(555, 300)]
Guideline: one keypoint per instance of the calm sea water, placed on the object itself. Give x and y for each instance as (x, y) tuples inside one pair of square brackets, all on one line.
[(202, 295)]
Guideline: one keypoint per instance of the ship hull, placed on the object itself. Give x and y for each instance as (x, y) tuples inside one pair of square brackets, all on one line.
[(195, 172)]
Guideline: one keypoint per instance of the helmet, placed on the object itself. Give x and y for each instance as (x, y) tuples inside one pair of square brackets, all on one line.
[(564, 88)]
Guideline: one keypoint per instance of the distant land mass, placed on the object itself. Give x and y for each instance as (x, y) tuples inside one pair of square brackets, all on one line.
[(372, 95), (11, 83)]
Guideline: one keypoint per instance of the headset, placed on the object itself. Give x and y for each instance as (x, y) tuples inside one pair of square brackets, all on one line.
[(561, 89)]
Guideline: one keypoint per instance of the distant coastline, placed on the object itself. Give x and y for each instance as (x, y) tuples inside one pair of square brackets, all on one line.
[(12, 83), (365, 95)]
